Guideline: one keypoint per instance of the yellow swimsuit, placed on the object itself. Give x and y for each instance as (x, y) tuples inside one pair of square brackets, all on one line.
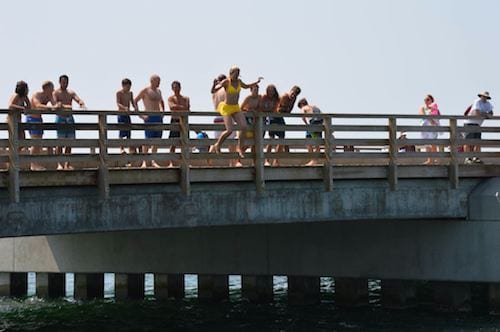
[(227, 109)]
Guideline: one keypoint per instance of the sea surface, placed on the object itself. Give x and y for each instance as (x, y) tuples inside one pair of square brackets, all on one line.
[(33, 314)]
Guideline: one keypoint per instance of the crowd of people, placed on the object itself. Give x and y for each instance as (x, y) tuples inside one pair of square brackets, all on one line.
[(226, 100)]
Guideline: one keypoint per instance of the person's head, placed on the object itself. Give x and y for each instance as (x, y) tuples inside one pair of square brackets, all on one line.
[(221, 78), (295, 91), (429, 99), (155, 81), (22, 89), (176, 87), (64, 81), (234, 73), (303, 102), (484, 96), (126, 84), (48, 87), (255, 90), (272, 92)]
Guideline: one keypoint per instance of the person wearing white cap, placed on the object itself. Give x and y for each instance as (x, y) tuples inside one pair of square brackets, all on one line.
[(481, 109)]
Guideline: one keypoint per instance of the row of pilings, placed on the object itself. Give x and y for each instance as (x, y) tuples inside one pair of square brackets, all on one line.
[(347, 292)]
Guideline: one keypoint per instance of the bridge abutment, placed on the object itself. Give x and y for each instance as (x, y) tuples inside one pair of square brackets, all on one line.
[(398, 294), (129, 286), (169, 286), (303, 290), (351, 292)]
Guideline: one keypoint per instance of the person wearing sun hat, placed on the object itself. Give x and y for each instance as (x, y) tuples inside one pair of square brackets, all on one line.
[(481, 109)]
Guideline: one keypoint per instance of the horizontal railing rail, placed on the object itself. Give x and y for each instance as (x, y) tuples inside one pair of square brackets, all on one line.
[(351, 140)]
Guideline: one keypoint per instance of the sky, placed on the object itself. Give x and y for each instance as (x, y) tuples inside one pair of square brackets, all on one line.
[(349, 56)]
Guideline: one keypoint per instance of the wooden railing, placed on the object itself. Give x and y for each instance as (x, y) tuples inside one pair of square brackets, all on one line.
[(349, 140)]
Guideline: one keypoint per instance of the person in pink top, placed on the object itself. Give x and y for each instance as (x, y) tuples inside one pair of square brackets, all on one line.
[(429, 108)]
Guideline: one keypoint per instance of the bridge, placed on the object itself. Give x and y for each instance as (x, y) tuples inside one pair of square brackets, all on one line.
[(366, 207)]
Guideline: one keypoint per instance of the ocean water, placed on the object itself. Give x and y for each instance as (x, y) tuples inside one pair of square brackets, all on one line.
[(33, 314)]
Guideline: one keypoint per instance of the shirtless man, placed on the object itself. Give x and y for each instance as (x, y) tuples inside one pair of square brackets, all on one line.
[(287, 101), (153, 102), (250, 104), (124, 99), (314, 120), (40, 101), (177, 103), (65, 98)]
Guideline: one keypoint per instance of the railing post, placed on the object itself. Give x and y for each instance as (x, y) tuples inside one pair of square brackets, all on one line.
[(103, 178), (393, 152), (327, 166), (14, 185), (260, 183), (185, 155), (453, 167)]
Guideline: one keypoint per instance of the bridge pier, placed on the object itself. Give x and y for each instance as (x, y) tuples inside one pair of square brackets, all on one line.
[(351, 292), (168, 286), (89, 286), (494, 298), (213, 287), (257, 289), (398, 294), (129, 286), (13, 284), (50, 285), (303, 290), (451, 296)]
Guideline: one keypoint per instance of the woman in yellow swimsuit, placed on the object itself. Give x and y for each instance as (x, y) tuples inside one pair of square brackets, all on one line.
[(230, 109)]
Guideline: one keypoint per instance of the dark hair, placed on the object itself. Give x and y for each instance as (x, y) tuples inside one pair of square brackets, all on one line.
[(276, 95), (302, 102), (430, 97), (126, 81), (297, 88), (176, 83), (221, 77), (63, 76), (21, 89)]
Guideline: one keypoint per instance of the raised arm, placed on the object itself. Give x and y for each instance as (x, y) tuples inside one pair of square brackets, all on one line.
[(248, 86)]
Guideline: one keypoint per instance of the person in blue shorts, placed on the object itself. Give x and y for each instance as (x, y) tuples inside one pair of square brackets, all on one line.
[(65, 97), (153, 102), (125, 99)]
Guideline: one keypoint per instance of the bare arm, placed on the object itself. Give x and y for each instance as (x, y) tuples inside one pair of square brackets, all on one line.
[(77, 99), (247, 86), (246, 102), (222, 84), (132, 100), (13, 103), (162, 102), (140, 96)]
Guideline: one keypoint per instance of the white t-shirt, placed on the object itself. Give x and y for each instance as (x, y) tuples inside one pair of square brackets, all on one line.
[(480, 108)]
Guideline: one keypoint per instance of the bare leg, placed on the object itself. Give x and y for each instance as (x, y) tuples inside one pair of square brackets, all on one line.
[(241, 121), (228, 122)]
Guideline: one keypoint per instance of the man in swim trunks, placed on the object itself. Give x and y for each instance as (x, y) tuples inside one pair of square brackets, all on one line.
[(65, 98), (315, 120), (153, 102), (287, 101), (40, 101), (125, 99), (177, 103)]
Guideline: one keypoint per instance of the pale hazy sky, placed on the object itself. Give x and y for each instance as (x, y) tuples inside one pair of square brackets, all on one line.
[(350, 56)]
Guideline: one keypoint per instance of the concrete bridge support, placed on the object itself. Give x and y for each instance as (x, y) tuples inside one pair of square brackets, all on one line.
[(89, 286), (213, 287), (129, 286), (13, 284), (257, 289), (169, 286), (398, 294), (494, 298), (351, 292), (451, 296), (50, 285), (303, 290)]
